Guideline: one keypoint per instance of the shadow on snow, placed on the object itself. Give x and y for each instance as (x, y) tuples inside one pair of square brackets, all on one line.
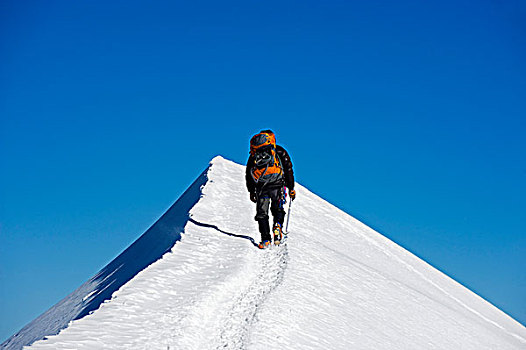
[(225, 232)]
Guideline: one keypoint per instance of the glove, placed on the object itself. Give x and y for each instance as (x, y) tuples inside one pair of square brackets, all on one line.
[(292, 195), (253, 197)]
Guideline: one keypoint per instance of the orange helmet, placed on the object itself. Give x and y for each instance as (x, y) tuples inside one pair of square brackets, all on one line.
[(263, 139)]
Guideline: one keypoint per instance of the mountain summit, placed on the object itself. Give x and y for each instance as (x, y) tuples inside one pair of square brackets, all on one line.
[(195, 280)]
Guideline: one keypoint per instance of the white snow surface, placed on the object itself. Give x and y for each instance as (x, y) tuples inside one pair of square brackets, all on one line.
[(334, 284)]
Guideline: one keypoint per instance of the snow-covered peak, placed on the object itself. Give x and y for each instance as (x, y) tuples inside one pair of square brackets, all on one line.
[(219, 159), (335, 284), (223, 163)]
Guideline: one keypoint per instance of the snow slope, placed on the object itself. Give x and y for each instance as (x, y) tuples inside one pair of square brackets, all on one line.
[(335, 284)]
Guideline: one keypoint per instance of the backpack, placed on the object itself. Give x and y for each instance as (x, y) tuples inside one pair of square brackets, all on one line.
[(267, 168)]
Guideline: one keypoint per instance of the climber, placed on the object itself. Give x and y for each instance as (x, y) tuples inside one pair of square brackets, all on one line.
[(268, 172)]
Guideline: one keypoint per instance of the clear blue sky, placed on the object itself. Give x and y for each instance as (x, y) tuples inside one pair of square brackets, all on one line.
[(409, 115)]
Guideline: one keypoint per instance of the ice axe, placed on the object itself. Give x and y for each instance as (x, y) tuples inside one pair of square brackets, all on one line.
[(288, 218)]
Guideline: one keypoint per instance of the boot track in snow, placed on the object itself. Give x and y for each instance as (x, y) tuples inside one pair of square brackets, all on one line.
[(236, 329)]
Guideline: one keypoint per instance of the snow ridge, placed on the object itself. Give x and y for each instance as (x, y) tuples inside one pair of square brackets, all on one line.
[(147, 249), (437, 286), (333, 284)]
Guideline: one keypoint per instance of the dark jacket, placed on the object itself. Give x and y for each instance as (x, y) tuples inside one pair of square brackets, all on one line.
[(288, 173)]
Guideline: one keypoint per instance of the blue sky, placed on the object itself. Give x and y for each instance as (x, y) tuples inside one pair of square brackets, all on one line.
[(408, 115)]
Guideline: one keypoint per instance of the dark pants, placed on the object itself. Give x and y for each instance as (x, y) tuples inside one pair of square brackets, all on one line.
[(274, 198)]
